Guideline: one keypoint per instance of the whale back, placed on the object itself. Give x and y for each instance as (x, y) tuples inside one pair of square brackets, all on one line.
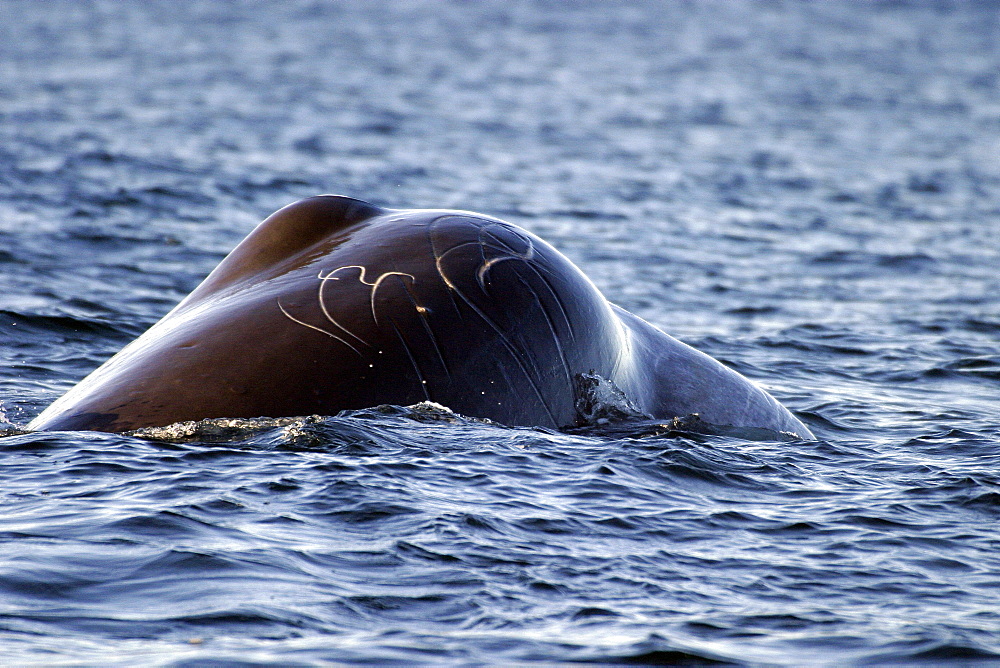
[(333, 304), (282, 240)]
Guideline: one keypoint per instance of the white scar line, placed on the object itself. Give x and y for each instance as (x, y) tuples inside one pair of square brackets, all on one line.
[(527, 256), (320, 329), (321, 298), (361, 277)]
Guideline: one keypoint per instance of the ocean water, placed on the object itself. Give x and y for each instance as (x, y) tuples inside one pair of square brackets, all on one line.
[(809, 192)]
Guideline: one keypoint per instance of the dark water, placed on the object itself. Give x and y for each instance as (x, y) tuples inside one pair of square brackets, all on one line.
[(807, 191)]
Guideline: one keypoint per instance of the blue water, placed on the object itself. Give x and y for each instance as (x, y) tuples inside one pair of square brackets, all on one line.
[(809, 192)]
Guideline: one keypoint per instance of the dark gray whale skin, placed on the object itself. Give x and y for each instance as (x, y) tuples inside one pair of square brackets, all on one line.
[(332, 304)]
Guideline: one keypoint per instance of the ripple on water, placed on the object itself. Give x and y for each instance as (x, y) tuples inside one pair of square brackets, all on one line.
[(174, 539), (804, 190)]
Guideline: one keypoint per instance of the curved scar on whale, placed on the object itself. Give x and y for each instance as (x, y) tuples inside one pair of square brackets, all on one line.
[(487, 241), (318, 329), (321, 298), (361, 278), (520, 358)]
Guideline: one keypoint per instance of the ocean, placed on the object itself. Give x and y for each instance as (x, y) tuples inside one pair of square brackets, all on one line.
[(808, 192)]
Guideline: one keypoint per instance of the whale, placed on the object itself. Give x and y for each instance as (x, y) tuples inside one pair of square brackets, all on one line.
[(333, 304)]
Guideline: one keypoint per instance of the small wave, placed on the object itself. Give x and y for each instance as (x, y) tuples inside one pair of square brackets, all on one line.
[(688, 426), (217, 430), (662, 655), (978, 367), (14, 324), (300, 430), (937, 652)]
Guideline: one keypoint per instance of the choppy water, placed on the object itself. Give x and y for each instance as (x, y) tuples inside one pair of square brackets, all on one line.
[(807, 191)]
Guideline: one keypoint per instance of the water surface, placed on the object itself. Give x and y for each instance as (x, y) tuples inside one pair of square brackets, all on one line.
[(809, 192)]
